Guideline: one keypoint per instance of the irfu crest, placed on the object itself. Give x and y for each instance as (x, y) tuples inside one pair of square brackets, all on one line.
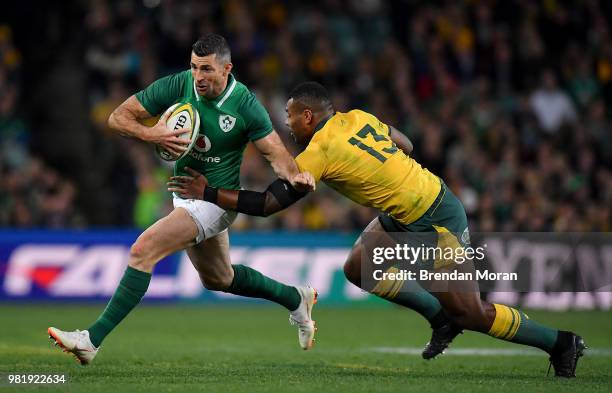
[(226, 122)]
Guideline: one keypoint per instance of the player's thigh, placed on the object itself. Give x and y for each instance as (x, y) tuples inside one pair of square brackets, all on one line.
[(358, 263), (209, 218), (211, 258), (445, 216), (172, 233)]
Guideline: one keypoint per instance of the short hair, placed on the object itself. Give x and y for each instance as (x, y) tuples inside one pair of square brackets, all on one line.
[(213, 43), (312, 95)]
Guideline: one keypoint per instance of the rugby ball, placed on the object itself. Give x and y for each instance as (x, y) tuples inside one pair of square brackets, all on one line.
[(182, 115)]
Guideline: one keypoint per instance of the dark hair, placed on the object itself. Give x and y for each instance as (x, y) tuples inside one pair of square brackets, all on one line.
[(312, 95), (213, 43)]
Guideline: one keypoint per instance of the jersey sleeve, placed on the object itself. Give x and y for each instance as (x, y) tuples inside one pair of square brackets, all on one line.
[(162, 93), (256, 118), (313, 160)]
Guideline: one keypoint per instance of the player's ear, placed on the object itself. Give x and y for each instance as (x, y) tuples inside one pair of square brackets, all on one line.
[(227, 68), (308, 115)]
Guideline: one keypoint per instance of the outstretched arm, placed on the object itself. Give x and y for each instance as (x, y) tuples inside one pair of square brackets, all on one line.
[(279, 195)]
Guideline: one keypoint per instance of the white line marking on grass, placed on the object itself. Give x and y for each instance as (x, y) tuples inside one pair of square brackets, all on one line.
[(482, 351)]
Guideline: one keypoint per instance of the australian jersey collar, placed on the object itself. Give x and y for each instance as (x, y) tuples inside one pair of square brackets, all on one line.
[(323, 122)]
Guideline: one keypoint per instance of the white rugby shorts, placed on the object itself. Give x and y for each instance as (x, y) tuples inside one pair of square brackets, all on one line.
[(210, 218)]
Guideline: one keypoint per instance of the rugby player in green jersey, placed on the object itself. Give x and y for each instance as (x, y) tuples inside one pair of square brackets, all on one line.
[(231, 117)]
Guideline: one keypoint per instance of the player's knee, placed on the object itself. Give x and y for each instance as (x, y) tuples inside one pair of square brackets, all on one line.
[(217, 282), (140, 256), (352, 272)]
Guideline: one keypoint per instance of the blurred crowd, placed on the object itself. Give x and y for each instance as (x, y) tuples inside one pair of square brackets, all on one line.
[(510, 102), (32, 193)]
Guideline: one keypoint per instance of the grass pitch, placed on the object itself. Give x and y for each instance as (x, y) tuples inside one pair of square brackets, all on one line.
[(252, 348)]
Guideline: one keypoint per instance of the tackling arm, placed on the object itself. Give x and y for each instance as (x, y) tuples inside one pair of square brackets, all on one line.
[(278, 196)]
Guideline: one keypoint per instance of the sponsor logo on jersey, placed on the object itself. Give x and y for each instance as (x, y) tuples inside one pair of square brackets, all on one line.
[(202, 157), (226, 122), (202, 144), (201, 147)]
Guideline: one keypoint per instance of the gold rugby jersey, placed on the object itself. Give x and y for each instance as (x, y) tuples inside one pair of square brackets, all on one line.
[(353, 153)]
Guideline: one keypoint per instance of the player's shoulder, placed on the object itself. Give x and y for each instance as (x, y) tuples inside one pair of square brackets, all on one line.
[(242, 105), (360, 119), (165, 91), (177, 82), (180, 77), (346, 121), (247, 104), (247, 99), (357, 112), (359, 115), (185, 74)]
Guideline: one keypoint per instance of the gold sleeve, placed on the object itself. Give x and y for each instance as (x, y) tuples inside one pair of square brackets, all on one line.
[(312, 160)]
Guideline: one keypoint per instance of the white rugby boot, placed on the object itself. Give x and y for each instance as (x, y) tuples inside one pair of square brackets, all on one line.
[(77, 343), (302, 317)]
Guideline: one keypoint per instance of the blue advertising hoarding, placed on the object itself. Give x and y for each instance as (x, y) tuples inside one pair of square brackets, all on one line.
[(87, 266)]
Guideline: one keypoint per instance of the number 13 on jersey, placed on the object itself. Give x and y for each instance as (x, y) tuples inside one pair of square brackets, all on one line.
[(382, 148)]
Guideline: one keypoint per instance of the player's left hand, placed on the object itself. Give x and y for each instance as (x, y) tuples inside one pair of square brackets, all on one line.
[(188, 187), (304, 182)]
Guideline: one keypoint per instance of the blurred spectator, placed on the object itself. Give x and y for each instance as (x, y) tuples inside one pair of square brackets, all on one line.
[(31, 193), (552, 105)]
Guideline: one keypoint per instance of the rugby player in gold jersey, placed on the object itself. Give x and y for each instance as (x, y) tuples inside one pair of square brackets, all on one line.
[(369, 162)]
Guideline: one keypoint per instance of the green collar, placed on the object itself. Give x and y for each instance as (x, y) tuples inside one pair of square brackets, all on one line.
[(323, 122), (225, 94)]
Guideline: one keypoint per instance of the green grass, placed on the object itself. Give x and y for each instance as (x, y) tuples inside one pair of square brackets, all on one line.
[(253, 349)]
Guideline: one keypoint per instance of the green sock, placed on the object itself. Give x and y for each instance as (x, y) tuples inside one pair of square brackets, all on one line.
[(410, 294), (131, 289), (251, 283), (513, 325)]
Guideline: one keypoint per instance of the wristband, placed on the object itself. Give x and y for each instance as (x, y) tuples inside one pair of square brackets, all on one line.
[(211, 194)]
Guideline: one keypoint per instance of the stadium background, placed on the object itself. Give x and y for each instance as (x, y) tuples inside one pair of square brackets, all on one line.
[(464, 80), (509, 101)]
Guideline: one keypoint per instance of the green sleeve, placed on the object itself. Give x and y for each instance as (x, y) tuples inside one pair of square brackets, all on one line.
[(162, 93), (257, 120)]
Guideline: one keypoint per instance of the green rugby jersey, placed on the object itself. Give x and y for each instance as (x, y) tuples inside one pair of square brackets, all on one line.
[(227, 124)]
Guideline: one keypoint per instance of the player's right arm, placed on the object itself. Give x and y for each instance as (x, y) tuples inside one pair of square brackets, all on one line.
[(149, 102), (126, 120)]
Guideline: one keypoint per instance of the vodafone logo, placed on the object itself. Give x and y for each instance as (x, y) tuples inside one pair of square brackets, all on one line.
[(202, 144)]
